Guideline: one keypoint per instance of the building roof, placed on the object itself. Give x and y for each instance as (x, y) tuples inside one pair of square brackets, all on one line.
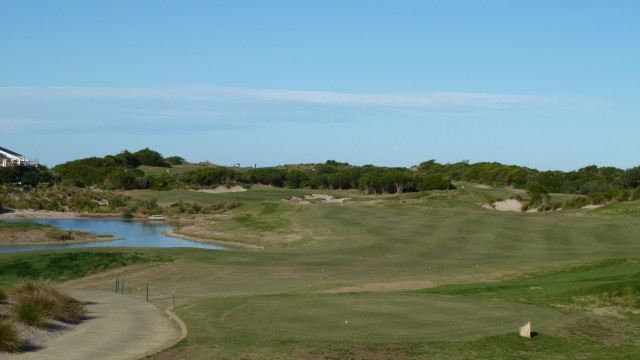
[(9, 152)]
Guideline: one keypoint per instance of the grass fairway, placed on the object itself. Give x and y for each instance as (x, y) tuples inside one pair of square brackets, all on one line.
[(425, 275), (376, 318)]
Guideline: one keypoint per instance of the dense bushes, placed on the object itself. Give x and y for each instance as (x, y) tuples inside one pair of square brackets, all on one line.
[(113, 171), (181, 207), (26, 175), (63, 199)]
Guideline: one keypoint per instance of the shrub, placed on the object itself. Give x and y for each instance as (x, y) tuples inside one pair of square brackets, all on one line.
[(35, 302), (9, 339), (127, 215), (636, 194), (31, 310), (576, 202)]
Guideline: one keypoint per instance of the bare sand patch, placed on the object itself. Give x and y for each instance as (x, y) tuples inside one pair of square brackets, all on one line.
[(511, 205), (37, 214), (296, 200), (315, 198), (591, 206), (508, 205), (383, 287), (223, 189)]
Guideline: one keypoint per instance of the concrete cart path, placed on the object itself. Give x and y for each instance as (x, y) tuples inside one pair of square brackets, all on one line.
[(117, 327)]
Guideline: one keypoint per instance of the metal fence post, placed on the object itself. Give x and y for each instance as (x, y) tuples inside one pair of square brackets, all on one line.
[(174, 299), (122, 288), (117, 284), (147, 292)]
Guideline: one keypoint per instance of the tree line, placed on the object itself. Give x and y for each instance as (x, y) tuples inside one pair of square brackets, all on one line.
[(122, 171)]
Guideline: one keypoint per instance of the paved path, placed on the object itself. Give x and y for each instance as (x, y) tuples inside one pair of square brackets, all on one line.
[(118, 327)]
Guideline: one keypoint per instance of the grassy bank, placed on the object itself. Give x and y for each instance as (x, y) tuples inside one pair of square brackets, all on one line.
[(62, 266)]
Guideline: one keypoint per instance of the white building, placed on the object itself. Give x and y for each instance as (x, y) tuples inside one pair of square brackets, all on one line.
[(10, 158)]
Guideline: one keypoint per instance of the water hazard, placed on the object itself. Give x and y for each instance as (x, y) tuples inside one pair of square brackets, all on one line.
[(129, 233)]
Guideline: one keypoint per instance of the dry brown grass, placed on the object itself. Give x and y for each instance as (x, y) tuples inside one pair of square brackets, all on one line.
[(35, 302), (9, 339)]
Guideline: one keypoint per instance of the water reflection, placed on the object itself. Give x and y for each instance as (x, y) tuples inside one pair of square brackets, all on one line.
[(132, 233)]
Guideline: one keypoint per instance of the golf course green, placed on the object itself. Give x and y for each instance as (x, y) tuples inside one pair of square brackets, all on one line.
[(423, 275)]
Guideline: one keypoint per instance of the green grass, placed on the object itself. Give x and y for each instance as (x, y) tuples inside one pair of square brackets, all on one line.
[(621, 209), (548, 261), (20, 225), (174, 169), (62, 266), (250, 325), (604, 284)]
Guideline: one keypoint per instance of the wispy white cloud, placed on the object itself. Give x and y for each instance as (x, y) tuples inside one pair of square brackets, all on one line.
[(193, 109), (427, 100)]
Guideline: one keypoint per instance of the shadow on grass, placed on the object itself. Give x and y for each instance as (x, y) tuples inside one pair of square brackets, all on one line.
[(29, 347)]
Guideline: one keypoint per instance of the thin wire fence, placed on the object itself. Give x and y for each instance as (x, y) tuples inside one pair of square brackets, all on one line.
[(163, 298)]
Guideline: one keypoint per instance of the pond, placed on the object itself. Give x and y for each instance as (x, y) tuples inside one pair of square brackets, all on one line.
[(130, 234)]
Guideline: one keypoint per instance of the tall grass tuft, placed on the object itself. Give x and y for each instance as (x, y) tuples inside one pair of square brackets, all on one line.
[(36, 301), (9, 339), (31, 310)]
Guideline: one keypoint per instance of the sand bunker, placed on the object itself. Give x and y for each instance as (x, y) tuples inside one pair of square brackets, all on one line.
[(297, 200), (224, 189), (505, 205), (315, 198), (508, 205), (591, 206), (325, 198)]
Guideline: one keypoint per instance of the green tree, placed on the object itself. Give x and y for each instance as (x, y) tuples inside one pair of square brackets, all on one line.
[(149, 157), (401, 180), (127, 159), (537, 192), (8, 175), (296, 179), (435, 182), (175, 160), (630, 178)]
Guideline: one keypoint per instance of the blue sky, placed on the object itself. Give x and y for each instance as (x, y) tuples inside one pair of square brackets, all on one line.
[(544, 84)]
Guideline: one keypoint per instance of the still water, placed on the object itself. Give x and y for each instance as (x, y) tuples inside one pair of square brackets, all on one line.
[(131, 233)]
